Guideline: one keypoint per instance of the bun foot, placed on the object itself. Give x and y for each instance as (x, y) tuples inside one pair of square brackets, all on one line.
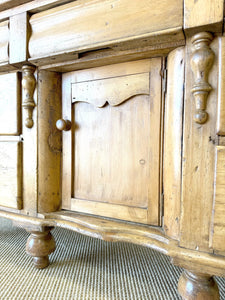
[(39, 245), (41, 262), (197, 286)]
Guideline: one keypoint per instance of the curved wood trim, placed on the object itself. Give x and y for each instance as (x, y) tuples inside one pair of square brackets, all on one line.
[(111, 103), (113, 91), (98, 227), (112, 230)]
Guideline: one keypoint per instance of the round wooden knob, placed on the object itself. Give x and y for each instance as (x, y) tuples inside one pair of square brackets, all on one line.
[(63, 125)]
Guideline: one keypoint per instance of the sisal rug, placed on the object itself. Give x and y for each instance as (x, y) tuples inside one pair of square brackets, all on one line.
[(84, 268)]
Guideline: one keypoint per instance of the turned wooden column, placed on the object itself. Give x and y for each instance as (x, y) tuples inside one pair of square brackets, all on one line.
[(201, 63), (28, 84), (39, 245), (197, 286)]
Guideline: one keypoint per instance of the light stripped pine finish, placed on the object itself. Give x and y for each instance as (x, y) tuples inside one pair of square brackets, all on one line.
[(19, 35), (203, 13), (111, 71), (115, 149), (173, 129), (10, 141), (66, 142), (30, 163), (116, 211), (50, 144), (218, 221), (86, 34), (4, 35), (97, 58), (11, 174), (114, 90), (77, 26), (198, 163), (221, 88), (10, 104), (10, 8)]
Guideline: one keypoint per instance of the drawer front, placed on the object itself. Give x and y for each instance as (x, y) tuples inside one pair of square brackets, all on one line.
[(11, 174), (114, 141), (10, 104), (75, 27)]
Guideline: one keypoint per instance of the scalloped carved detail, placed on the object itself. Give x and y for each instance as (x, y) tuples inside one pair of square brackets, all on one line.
[(113, 230), (111, 90)]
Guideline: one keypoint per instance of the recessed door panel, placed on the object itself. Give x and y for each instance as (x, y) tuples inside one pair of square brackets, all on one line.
[(11, 174)]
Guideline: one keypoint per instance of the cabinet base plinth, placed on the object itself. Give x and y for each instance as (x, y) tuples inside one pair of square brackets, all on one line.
[(197, 286)]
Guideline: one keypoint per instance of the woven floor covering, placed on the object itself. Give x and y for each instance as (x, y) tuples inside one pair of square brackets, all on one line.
[(86, 268)]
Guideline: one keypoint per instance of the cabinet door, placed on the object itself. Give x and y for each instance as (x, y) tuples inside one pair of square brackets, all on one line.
[(10, 141), (11, 174), (111, 155)]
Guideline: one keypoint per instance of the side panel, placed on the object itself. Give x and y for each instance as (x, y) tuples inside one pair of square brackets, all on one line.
[(173, 130)]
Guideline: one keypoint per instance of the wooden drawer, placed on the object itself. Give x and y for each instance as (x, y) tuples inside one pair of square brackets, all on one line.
[(114, 143), (11, 174), (10, 104), (86, 25)]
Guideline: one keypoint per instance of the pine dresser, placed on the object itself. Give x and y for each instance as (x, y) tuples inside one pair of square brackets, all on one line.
[(112, 124)]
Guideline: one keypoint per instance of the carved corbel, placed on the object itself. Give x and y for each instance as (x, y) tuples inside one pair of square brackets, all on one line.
[(28, 84), (201, 63)]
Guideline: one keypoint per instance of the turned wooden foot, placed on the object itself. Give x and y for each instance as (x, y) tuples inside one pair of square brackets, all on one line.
[(39, 245), (197, 286)]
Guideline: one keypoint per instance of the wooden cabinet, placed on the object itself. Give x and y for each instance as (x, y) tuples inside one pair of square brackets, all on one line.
[(116, 129)]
